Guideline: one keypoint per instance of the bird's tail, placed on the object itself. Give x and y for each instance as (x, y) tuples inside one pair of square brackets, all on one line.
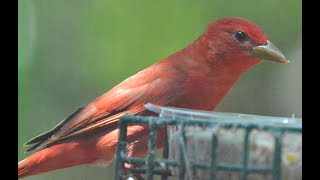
[(32, 165), (56, 157), (22, 169)]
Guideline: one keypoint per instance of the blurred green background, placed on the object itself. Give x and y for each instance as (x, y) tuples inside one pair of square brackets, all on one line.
[(71, 52)]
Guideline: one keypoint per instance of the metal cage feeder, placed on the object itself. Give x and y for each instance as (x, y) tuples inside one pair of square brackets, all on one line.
[(213, 145)]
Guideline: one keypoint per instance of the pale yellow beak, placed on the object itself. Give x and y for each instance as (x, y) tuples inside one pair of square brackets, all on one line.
[(269, 52)]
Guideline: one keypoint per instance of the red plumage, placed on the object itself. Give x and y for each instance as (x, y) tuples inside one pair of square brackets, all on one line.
[(197, 77)]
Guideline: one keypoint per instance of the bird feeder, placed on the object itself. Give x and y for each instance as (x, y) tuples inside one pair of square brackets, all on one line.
[(212, 145)]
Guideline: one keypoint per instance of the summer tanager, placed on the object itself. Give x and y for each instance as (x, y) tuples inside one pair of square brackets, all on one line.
[(196, 77)]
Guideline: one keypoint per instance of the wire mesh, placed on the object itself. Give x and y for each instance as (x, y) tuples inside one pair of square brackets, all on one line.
[(151, 166)]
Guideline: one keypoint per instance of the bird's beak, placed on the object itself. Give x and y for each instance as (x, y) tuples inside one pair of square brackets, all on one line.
[(269, 52)]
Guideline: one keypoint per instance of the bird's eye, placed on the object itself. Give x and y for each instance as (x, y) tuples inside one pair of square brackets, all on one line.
[(241, 36)]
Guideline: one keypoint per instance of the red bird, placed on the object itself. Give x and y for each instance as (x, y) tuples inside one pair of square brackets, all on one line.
[(196, 77)]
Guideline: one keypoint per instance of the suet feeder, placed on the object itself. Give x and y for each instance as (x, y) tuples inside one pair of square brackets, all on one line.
[(212, 145)]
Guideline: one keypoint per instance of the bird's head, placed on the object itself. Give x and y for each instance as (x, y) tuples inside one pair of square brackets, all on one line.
[(241, 38)]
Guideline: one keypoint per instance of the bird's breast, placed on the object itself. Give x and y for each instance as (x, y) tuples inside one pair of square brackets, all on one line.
[(205, 92)]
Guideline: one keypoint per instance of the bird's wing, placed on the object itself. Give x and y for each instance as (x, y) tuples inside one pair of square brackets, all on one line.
[(103, 113)]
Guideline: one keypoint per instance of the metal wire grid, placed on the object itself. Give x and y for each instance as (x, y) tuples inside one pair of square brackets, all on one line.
[(151, 162)]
